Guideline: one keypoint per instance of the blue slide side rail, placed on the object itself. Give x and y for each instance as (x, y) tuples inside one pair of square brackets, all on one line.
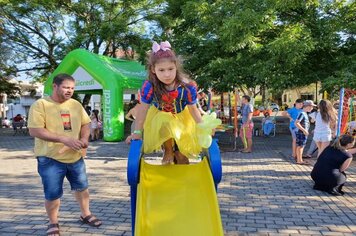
[(133, 175), (215, 162)]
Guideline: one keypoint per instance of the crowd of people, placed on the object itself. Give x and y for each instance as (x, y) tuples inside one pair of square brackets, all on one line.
[(334, 154)]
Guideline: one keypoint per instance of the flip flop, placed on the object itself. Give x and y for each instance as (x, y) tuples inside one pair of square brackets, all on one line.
[(54, 232), (302, 163), (86, 220)]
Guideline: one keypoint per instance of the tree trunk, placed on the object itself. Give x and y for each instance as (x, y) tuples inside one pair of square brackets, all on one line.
[(263, 93)]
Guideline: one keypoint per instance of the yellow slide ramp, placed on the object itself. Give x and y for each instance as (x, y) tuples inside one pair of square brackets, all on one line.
[(177, 200)]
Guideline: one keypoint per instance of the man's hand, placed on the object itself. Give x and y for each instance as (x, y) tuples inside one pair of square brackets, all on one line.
[(85, 142), (74, 144)]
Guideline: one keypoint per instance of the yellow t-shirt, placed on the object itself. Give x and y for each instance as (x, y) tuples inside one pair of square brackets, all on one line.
[(64, 119)]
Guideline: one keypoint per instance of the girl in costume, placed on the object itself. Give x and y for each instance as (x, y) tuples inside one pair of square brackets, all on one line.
[(168, 114)]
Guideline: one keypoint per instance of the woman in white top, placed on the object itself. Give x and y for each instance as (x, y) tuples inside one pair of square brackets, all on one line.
[(325, 124)]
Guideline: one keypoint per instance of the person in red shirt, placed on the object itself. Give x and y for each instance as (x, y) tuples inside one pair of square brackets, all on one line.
[(18, 118)]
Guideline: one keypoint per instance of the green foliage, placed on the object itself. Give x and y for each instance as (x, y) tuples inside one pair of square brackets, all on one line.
[(11, 89), (277, 44), (42, 32), (226, 44)]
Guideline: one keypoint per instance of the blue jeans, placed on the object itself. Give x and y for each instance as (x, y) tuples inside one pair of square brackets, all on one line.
[(52, 173)]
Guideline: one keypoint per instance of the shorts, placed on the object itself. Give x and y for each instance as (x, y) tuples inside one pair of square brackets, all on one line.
[(246, 130), (293, 132), (52, 173), (322, 137), (301, 139)]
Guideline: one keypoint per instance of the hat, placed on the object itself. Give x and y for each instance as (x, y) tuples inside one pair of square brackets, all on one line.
[(309, 103)]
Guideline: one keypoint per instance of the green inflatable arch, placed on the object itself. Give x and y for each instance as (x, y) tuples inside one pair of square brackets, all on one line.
[(96, 74)]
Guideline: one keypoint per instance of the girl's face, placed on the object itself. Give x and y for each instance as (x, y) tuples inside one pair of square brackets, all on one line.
[(165, 71)]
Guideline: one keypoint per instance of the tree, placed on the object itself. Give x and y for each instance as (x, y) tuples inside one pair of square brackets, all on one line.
[(260, 44), (8, 88), (42, 32), (345, 59)]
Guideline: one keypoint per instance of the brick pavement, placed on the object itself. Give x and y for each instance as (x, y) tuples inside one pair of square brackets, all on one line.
[(262, 193)]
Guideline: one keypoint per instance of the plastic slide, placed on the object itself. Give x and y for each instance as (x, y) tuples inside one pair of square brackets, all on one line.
[(175, 200)]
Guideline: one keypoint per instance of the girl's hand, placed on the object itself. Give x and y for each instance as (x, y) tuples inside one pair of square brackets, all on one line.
[(306, 133), (136, 136), (128, 139)]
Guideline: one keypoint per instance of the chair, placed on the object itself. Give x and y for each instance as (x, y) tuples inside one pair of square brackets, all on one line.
[(19, 127)]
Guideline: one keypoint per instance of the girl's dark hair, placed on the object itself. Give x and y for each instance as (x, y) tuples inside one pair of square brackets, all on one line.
[(326, 111), (342, 141), (133, 103), (96, 113), (156, 57)]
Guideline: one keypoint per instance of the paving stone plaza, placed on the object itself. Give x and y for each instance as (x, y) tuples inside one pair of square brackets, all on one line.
[(261, 193)]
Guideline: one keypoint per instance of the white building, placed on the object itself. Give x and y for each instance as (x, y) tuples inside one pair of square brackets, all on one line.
[(30, 92)]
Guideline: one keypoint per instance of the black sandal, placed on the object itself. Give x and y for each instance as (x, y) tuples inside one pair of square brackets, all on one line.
[(54, 232), (92, 223)]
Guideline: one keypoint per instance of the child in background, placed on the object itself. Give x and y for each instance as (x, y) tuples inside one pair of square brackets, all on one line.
[(267, 124), (302, 123), (168, 113), (292, 114), (95, 125)]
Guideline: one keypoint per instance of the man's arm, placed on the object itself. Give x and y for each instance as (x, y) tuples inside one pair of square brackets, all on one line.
[(249, 117), (44, 134), (84, 134)]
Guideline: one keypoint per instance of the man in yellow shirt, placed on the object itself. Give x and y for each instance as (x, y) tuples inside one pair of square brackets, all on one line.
[(61, 128)]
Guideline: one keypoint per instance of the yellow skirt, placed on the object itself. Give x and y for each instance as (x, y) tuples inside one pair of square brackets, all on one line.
[(161, 126)]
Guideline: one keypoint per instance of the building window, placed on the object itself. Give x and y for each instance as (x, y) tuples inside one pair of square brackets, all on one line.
[(307, 97)]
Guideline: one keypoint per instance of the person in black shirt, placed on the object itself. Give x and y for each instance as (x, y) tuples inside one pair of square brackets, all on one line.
[(329, 170)]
